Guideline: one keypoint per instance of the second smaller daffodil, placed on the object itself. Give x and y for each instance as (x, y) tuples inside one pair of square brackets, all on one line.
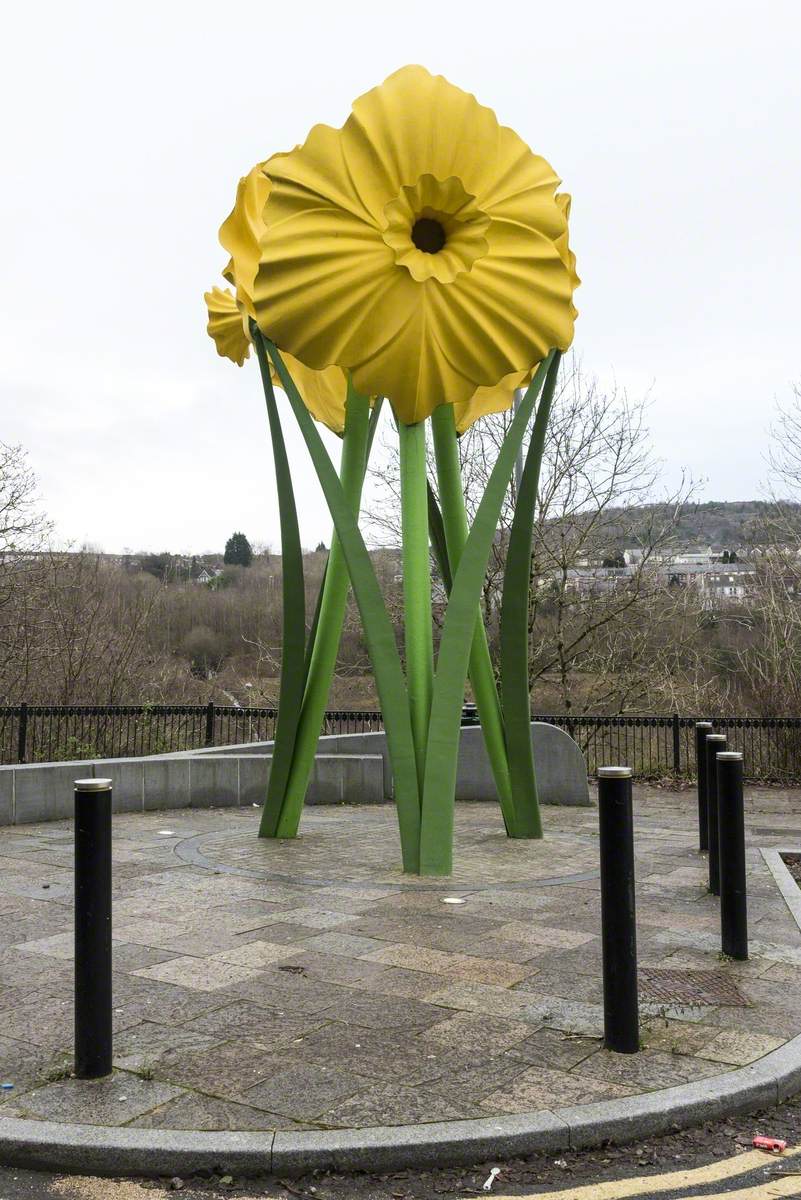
[(226, 325), (324, 392)]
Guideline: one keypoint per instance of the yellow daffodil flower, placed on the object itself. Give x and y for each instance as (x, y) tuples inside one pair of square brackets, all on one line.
[(227, 326), (421, 247)]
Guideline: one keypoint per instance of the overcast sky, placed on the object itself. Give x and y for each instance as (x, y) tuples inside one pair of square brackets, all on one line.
[(675, 126)]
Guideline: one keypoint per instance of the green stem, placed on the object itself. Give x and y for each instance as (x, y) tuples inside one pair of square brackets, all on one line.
[(515, 695), (416, 584), (293, 647), (312, 638), (436, 532), (375, 413), (436, 826), (378, 629), (333, 605), (482, 677)]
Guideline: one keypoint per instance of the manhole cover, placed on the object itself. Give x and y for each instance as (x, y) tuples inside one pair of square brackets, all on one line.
[(662, 985)]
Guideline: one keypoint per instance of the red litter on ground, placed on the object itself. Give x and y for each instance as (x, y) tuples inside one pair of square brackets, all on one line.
[(772, 1145)]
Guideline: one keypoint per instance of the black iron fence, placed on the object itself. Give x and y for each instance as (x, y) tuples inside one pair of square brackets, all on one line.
[(662, 747), (655, 747), (56, 732)]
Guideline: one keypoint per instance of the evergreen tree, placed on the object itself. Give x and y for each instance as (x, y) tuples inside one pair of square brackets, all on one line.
[(159, 565), (238, 551)]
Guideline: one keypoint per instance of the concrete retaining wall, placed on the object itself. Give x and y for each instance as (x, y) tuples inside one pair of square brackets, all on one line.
[(349, 768), (561, 769), (44, 791)]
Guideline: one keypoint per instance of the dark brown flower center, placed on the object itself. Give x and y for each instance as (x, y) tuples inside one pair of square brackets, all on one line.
[(428, 235)]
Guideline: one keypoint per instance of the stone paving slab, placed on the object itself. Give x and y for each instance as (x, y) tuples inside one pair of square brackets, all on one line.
[(253, 991)]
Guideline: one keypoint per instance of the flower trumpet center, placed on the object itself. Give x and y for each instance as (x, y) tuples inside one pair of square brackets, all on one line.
[(435, 229), (428, 235)]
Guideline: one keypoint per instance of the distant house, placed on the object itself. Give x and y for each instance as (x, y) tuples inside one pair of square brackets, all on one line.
[(722, 579), (595, 581), (729, 585), (684, 570), (723, 554), (696, 556), (205, 574)]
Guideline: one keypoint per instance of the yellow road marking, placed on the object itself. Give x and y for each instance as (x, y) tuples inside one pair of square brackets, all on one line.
[(760, 1191), (727, 1168)]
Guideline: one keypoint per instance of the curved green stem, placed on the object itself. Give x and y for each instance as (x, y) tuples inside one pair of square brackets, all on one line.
[(378, 630), (515, 695), (333, 604), (312, 638), (375, 413), (436, 828), (416, 584), (454, 517), (293, 647)]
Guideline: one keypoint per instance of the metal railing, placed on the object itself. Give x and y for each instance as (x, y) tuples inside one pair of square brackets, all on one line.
[(655, 746), (663, 746), (58, 732)]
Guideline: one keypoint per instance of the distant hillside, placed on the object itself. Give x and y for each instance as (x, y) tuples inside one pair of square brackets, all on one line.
[(723, 522)]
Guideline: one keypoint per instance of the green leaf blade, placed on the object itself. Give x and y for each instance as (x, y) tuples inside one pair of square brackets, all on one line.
[(515, 695), (293, 649), (378, 630), (436, 830)]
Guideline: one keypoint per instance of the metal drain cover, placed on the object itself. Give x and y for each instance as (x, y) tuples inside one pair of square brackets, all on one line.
[(663, 985)]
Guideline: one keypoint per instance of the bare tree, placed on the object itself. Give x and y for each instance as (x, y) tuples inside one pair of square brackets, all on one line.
[(24, 530), (89, 627), (785, 447), (769, 652), (23, 525), (591, 624), (594, 617)]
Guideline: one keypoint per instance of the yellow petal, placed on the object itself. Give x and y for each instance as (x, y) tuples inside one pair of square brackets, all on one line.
[(346, 274), (566, 254), (241, 231), (226, 326), (488, 400), (323, 392)]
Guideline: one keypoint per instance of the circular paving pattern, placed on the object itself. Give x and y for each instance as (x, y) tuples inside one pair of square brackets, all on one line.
[(360, 846), (307, 990)]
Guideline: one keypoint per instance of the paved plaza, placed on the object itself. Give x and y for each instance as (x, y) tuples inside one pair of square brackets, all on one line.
[(309, 985)]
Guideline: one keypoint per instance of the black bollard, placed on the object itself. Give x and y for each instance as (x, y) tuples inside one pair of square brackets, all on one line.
[(618, 924), (715, 742), (92, 928), (702, 729), (731, 832)]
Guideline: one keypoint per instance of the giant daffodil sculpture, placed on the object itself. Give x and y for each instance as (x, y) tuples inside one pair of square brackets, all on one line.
[(419, 253)]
